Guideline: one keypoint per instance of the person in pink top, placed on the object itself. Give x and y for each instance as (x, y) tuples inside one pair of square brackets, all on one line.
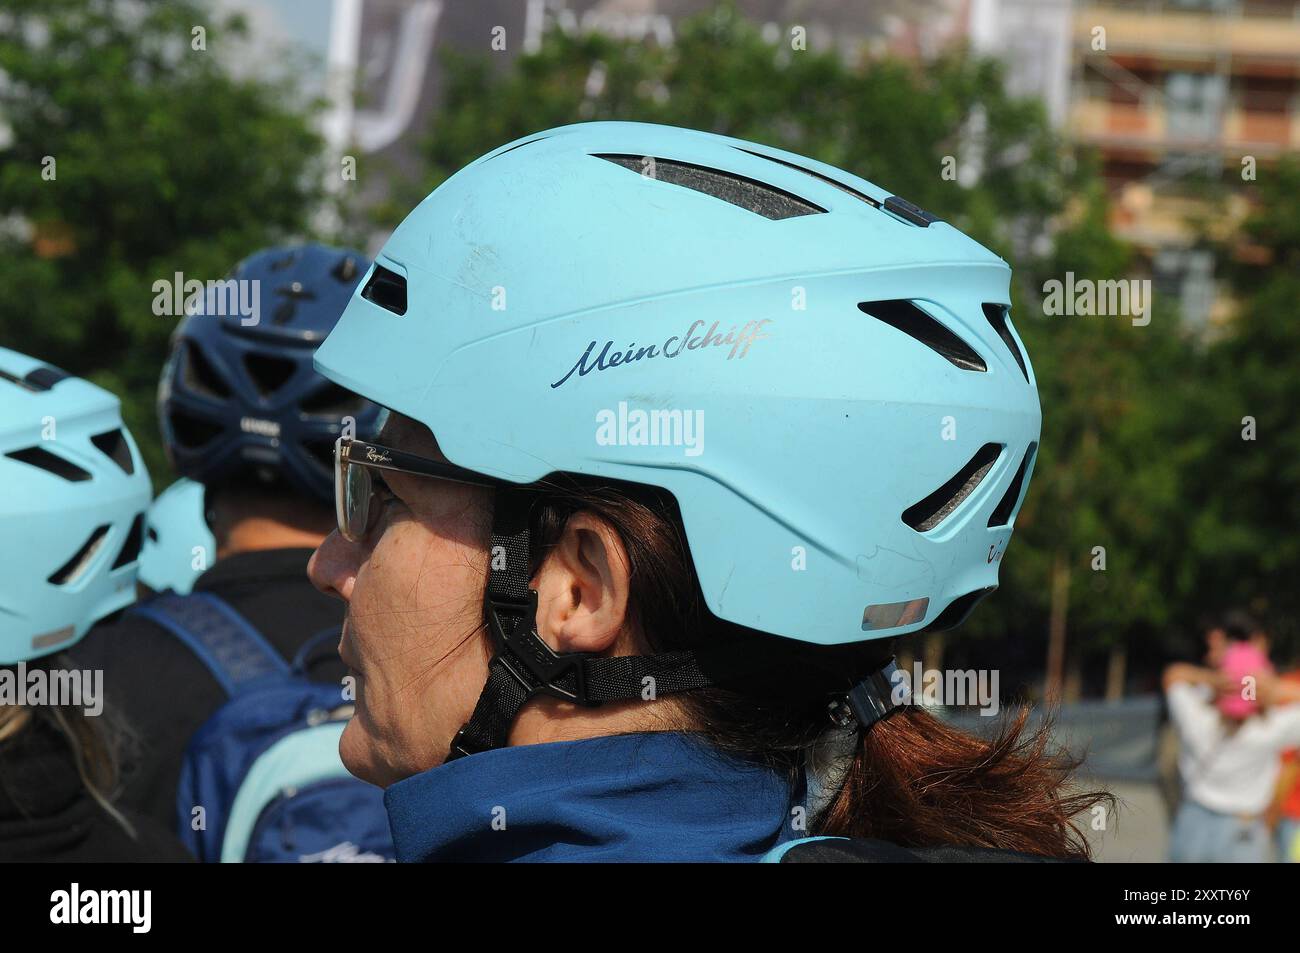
[(1233, 721)]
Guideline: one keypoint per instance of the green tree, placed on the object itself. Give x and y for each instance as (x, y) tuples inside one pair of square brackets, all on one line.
[(1100, 551), (162, 162), (1248, 492)]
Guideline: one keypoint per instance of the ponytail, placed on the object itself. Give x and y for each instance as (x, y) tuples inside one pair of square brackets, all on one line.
[(917, 781)]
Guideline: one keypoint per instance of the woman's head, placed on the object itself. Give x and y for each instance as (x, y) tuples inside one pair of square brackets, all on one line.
[(415, 635)]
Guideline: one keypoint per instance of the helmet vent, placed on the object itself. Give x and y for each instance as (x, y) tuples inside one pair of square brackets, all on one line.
[(53, 463), (861, 196), (199, 375), (131, 546), (1005, 511), (912, 321), (386, 289), (113, 445), (37, 379), (939, 505), (71, 571), (267, 372), (997, 315), (757, 197), (192, 433)]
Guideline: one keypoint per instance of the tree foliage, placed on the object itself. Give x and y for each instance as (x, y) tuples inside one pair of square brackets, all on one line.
[(163, 162)]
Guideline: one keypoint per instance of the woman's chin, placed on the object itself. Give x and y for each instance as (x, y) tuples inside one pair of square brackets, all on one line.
[(358, 752)]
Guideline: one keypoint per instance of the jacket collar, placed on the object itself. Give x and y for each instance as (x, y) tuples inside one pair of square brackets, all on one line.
[(655, 796)]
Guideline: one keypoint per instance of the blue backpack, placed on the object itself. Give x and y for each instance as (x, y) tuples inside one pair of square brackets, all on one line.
[(265, 767)]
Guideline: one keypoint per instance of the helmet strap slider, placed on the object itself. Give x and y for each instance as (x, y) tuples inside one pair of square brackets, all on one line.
[(875, 697)]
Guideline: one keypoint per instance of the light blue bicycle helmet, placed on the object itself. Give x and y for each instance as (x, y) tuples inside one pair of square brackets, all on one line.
[(178, 545), (866, 416), (72, 511)]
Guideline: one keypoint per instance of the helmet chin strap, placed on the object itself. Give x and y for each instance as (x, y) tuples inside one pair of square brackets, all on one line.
[(524, 666)]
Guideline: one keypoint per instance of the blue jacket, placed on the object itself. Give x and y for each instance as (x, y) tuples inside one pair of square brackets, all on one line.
[(655, 796)]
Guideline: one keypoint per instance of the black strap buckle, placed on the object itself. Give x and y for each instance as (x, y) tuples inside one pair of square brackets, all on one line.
[(532, 662), (872, 698)]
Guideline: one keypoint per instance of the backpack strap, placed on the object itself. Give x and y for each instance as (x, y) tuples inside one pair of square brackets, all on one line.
[(234, 652), (299, 759)]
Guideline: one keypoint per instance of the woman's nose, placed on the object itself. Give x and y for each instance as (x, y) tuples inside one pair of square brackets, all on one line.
[(333, 567)]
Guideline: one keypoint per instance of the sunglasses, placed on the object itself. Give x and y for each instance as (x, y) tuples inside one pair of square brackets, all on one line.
[(354, 484)]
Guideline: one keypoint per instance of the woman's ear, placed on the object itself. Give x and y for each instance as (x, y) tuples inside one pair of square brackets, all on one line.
[(582, 587)]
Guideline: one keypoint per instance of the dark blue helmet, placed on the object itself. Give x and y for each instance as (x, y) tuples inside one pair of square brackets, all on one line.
[(238, 396)]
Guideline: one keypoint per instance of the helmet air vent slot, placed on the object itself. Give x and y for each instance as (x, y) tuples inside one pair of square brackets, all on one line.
[(113, 445), (997, 315), (71, 571), (912, 321), (42, 458), (928, 513), (191, 432), (386, 289), (38, 379), (753, 196), (131, 545), (861, 196), (267, 372), (1005, 511), (199, 375)]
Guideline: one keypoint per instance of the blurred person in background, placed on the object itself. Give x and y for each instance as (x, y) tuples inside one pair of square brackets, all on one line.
[(75, 490), (1285, 812), (244, 416), (1233, 721)]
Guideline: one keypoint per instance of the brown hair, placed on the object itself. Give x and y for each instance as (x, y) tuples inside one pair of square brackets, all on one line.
[(913, 779)]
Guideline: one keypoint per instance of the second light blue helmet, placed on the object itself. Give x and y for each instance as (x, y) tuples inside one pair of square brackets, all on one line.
[(823, 376), (178, 545), (71, 510)]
